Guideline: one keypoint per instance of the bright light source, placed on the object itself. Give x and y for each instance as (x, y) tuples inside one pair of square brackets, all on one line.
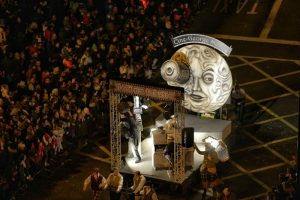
[(145, 107), (213, 141)]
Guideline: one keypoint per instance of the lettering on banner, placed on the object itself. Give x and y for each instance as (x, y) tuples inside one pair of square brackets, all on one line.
[(146, 91), (201, 39)]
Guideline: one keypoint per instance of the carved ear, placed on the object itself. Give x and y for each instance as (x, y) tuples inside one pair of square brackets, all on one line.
[(177, 72)]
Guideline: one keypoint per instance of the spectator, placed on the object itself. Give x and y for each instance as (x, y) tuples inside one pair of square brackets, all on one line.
[(238, 98), (2, 36), (149, 193), (227, 194), (97, 182), (138, 183), (48, 61), (114, 184)]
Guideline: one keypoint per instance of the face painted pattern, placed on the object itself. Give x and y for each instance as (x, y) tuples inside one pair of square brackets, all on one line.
[(210, 82)]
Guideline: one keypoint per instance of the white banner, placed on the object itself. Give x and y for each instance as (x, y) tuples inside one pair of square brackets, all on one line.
[(201, 39)]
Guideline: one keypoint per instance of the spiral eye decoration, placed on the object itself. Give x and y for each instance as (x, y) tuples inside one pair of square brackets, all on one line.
[(169, 71), (199, 68), (177, 72)]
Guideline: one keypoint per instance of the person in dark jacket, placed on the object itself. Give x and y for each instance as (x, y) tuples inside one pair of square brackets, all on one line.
[(227, 194), (149, 193), (238, 98), (131, 132)]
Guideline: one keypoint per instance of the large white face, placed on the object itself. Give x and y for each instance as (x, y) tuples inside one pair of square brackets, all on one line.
[(210, 81)]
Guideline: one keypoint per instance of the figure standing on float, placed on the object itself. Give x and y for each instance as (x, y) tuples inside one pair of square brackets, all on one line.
[(130, 128), (208, 169)]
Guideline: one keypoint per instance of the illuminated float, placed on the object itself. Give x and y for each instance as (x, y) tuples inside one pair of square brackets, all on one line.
[(200, 81)]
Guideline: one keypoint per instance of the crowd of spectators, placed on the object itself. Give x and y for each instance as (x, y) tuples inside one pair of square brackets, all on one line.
[(56, 58), (287, 187)]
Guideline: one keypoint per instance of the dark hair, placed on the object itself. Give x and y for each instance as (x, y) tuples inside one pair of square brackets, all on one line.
[(226, 186), (127, 114), (148, 183), (96, 169)]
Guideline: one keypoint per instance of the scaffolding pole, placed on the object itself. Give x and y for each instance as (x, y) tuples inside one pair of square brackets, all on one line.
[(115, 130), (179, 163)]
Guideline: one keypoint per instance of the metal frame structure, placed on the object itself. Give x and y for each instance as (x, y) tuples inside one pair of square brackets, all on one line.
[(179, 162), (115, 130), (117, 89)]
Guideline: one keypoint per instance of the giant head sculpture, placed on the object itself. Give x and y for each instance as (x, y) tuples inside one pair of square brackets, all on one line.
[(204, 75)]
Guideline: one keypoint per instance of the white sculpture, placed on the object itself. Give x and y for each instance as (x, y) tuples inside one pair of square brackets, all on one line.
[(204, 75)]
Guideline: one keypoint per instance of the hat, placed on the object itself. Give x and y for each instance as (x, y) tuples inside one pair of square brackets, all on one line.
[(148, 183)]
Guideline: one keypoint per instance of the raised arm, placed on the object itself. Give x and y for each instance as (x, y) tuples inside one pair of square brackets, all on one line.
[(86, 182), (107, 182), (103, 183), (120, 186), (198, 151), (141, 185)]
